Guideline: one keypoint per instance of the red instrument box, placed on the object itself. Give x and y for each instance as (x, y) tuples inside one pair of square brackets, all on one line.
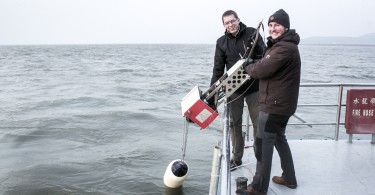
[(196, 110)]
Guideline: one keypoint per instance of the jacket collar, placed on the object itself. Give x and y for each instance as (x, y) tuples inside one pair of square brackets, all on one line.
[(289, 36), (242, 29)]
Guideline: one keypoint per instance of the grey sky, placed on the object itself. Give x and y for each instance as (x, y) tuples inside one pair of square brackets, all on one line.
[(170, 21)]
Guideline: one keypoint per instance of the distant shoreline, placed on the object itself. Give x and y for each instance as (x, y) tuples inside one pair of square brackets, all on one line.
[(368, 39)]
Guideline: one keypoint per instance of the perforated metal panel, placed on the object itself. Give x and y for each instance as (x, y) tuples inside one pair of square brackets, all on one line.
[(236, 77)]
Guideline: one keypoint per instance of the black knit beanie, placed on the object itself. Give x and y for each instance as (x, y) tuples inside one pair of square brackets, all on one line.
[(281, 17)]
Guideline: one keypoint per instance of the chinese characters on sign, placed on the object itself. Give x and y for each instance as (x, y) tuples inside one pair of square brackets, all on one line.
[(359, 116), (364, 112)]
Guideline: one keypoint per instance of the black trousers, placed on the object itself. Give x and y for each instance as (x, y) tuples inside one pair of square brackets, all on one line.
[(271, 133)]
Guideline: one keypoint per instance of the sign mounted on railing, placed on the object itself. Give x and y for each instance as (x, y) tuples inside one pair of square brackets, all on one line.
[(360, 115)]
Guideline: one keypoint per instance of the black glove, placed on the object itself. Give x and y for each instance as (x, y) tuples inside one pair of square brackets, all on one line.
[(247, 63), (251, 40), (189, 120), (211, 103)]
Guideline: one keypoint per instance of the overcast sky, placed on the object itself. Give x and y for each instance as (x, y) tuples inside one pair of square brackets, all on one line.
[(170, 21)]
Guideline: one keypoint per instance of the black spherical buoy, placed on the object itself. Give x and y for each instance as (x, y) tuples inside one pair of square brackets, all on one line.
[(179, 168)]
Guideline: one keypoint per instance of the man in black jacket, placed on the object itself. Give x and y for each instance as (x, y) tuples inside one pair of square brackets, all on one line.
[(279, 73), (229, 49)]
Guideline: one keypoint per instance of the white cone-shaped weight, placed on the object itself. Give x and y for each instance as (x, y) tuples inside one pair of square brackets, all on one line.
[(176, 173)]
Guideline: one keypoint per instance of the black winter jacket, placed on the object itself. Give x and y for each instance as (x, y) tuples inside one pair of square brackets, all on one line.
[(229, 50), (279, 73)]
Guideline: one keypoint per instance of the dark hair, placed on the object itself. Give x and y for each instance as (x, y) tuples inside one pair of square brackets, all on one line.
[(228, 13)]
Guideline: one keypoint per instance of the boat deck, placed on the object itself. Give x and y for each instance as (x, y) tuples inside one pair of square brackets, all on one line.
[(322, 167)]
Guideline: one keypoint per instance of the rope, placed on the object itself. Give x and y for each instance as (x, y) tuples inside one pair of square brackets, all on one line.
[(184, 137)]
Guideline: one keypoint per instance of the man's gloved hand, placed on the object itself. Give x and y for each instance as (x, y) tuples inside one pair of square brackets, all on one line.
[(211, 103), (247, 63), (251, 40), (189, 120)]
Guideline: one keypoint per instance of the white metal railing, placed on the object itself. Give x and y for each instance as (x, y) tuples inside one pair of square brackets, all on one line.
[(338, 105)]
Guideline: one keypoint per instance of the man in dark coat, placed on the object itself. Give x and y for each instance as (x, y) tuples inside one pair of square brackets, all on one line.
[(279, 79), (229, 49)]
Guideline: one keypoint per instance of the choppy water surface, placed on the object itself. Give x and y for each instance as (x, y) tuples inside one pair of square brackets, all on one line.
[(106, 119)]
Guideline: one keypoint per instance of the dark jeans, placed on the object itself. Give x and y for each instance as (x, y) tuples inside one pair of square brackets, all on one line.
[(236, 109), (271, 132)]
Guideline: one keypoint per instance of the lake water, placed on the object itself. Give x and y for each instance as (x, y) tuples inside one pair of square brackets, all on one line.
[(106, 119)]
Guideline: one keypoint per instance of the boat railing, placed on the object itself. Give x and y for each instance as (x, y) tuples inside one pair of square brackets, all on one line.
[(338, 105), (225, 172)]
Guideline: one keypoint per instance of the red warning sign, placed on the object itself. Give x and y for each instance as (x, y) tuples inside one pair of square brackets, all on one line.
[(359, 115)]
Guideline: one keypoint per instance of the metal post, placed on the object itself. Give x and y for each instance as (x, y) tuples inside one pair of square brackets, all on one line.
[(247, 123), (225, 173), (373, 139), (215, 171), (338, 113)]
